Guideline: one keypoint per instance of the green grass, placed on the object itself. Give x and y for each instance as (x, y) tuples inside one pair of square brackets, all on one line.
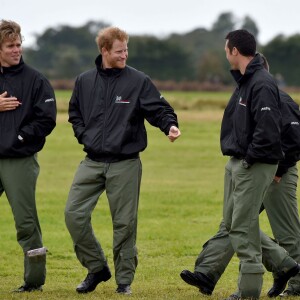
[(180, 208)]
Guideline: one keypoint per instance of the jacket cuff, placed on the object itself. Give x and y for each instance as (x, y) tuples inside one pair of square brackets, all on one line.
[(249, 160)]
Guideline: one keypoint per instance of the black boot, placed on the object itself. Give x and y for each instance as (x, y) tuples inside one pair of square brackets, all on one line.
[(93, 279), (201, 281), (280, 282)]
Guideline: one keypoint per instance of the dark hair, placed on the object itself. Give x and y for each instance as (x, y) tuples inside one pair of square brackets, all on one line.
[(243, 41)]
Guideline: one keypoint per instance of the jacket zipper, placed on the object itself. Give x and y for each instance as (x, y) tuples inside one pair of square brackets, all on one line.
[(105, 108)]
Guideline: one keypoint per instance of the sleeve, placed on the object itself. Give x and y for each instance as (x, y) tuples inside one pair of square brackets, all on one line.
[(43, 118), (75, 113), (267, 120), (290, 134), (157, 111)]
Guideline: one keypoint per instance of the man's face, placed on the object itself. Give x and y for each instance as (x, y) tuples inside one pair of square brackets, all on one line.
[(231, 56), (10, 52), (117, 56)]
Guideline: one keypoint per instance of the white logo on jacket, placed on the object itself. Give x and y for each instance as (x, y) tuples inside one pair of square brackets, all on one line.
[(120, 100), (242, 101), (49, 100), (295, 123), (265, 108)]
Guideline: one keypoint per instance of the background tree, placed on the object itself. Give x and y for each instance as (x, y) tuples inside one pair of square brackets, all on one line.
[(65, 51), (160, 59), (283, 56), (198, 55), (224, 24), (250, 25)]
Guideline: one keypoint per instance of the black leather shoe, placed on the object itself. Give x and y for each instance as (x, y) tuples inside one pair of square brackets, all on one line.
[(28, 288), (123, 289), (93, 279), (279, 283), (201, 281), (289, 293)]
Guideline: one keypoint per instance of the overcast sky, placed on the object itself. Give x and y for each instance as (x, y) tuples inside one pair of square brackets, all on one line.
[(155, 17)]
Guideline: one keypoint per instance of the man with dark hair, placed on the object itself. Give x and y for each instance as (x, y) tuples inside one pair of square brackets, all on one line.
[(281, 206), (108, 108), (250, 135), (27, 116)]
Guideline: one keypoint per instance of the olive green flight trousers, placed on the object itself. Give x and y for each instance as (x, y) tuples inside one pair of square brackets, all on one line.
[(18, 178), (281, 206), (280, 203), (121, 181)]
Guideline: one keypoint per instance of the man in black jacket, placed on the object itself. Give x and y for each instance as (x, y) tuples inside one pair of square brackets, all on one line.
[(107, 110), (250, 135), (27, 116), (281, 206)]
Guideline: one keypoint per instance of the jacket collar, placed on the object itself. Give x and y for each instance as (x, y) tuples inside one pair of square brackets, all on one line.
[(255, 64), (106, 72), (13, 69)]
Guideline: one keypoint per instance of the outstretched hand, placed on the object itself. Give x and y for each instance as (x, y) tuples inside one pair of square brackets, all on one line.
[(174, 133)]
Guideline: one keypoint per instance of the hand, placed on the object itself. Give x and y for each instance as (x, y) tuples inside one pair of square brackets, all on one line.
[(8, 103), (277, 179), (174, 133)]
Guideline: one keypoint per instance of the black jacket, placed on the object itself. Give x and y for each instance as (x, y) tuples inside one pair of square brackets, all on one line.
[(251, 124), (107, 111), (34, 119), (290, 136)]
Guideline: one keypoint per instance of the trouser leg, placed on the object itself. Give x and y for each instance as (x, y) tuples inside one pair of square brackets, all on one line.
[(19, 178), (244, 190), (275, 258), (215, 255), (123, 188), (87, 186), (282, 210)]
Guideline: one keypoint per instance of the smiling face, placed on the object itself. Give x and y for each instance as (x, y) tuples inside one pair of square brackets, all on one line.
[(117, 56), (10, 52)]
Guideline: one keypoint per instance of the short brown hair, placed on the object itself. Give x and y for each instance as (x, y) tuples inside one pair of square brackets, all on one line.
[(108, 35), (9, 30)]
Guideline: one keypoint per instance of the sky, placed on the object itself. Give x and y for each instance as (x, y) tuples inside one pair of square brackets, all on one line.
[(153, 17)]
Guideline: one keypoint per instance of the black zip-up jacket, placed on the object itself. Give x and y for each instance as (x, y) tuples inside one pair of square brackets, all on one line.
[(251, 124), (34, 119), (108, 108), (290, 136)]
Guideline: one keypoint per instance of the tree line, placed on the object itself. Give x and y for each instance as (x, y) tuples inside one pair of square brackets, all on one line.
[(197, 56)]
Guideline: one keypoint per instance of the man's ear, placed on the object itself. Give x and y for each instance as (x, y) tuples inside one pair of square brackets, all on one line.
[(235, 51), (103, 51)]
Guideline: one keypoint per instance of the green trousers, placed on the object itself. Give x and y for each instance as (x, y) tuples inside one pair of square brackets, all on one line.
[(218, 251), (281, 206), (18, 178), (244, 190), (121, 181)]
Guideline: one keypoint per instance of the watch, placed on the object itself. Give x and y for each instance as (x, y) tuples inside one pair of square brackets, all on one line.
[(245, 164)]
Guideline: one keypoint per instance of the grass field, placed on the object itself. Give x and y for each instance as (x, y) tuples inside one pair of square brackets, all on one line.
[(180, 208)]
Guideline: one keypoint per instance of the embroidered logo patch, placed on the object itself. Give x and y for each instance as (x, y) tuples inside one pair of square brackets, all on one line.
[(49, 100), (121, 101), (243, 101)]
